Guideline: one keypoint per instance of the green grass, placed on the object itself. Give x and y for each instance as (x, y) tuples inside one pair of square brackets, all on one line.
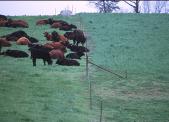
[(137, 43)]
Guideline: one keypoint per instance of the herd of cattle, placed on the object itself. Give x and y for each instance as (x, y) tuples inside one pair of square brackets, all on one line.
[(55, 47)]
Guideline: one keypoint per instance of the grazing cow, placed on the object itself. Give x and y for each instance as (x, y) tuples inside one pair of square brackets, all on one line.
[(56, 54), (23, 41), (70, 36), (15, 53), (4, 43), (3, 18), (68, 62), (79, 37), (15, 35), (77, 55), (40, 52), (75, 48)]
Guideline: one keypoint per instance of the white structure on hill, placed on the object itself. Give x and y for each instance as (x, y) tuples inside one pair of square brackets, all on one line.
[(66, 12)]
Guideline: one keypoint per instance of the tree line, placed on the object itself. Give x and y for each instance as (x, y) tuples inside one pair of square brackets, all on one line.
[(138, 6)]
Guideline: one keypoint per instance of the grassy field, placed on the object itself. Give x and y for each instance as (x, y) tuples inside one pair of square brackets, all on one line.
[(134, 43)]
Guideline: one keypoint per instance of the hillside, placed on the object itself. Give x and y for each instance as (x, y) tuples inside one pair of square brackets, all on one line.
[(136, 43)]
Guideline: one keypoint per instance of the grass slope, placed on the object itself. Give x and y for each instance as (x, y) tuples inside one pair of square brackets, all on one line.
[(137, 43)]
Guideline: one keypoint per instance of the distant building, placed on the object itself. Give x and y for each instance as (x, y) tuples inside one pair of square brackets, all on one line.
[(66, 13)]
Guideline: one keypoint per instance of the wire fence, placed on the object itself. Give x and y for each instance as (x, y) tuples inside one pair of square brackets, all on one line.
[(89, 64)]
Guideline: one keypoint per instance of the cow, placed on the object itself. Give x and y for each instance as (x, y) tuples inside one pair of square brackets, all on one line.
[(60, 21), (47, 36), (75, 48), (42, 22), (56, 25), (15, 35), (79, 37), (15, 53), (23, 41), (40, 52), (4, 43), (76, 55), (67, 27), (56, 45), (3, 23), (70, 36), (56, 54), (63, 40), (3, 18), (68, 62), (17, 23), (54, 36), (32, 39)]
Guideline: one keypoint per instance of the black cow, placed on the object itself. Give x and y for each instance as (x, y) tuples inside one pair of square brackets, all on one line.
[(15, 35), (40, 52), (68, 62), (15, 53), (76, 55), (77, 36), (75, 48), (32, 39)]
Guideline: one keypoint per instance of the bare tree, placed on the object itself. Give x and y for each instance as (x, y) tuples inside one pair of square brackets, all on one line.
[(159, 6), (146, 6), (134, 4), (106, 6)]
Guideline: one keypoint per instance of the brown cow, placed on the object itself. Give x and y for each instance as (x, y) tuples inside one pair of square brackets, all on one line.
[(42, 22), (3, 18), (4, 43), (56, 54), (3, 23), (63, 40), (47, 36), (23, 41), (17, 23), (56, 25), (56, 45)]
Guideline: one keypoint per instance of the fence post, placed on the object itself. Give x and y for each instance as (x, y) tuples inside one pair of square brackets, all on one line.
[(126, 75), (101, 110)]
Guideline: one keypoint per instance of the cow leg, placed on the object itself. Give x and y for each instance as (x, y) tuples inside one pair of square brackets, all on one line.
[(34, 61), (44, 61), (74, 41), (77, 43), (0, 48)]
